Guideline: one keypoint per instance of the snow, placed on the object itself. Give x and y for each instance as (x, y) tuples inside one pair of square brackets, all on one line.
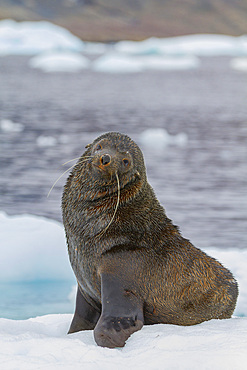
[(59, 62), (240, 64), (42, 343), (34, 248), (27, 38)]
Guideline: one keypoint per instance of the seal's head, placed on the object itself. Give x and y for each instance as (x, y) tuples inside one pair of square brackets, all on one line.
[(114, 154)]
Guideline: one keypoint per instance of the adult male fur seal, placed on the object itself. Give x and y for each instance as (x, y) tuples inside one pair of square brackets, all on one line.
[(131, 263)]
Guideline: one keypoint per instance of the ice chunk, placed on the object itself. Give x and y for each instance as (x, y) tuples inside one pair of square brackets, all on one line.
[(35, 37), (117, 63), (200, 44), (121, 63), (170, 62), (46, 141), (32, 248), (7, 125), (59, 62), (159, 138), (240, 64)]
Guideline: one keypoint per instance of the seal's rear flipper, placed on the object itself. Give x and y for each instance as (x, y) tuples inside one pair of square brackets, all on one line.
[(122, 313), (85, 317)]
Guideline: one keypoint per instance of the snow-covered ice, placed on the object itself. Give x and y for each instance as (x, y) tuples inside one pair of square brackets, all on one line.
[(42, 343), (27, 38), (59, 62)]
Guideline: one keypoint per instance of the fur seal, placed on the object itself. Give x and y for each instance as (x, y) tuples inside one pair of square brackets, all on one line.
[(132, 265)]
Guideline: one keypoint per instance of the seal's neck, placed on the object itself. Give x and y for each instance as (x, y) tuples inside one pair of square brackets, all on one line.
[(125, 187)]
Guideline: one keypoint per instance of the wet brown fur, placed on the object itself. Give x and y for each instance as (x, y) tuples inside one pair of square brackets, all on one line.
[(177, 283)]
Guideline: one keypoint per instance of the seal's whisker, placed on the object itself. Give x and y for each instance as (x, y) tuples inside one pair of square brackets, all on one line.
[(115, 211), (74, 159), (71, 160), (59, 179), (85, 160)]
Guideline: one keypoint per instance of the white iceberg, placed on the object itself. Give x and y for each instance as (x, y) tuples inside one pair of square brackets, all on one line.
[(27, 38), (59, 62), (42, 343), (199, 44)]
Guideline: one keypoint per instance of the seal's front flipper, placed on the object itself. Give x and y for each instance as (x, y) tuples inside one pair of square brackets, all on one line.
[(85, 317), (122, 313)]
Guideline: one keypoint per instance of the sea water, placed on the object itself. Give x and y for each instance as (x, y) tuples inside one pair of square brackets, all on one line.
[(30, 299), (47, 119)]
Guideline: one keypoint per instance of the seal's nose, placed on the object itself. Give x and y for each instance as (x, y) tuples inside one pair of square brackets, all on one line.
[(105, 159)]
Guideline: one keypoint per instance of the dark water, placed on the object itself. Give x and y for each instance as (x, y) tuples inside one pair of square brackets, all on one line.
[(202, 185)]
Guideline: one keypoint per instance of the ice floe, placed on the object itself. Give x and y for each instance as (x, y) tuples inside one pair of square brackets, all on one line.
[(42, 343)]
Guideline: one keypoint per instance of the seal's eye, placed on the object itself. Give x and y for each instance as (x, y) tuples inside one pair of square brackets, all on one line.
[(98, 147), (126, 162)]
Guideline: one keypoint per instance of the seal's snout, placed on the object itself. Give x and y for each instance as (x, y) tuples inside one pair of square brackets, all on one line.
[(105, 159)]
